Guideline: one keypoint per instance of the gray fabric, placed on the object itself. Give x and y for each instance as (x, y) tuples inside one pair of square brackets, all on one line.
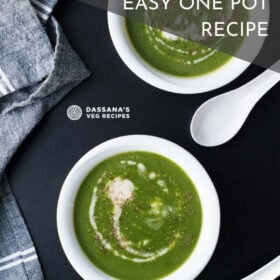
[(43, 8), (25, 51), (14, 238), (41, 68)]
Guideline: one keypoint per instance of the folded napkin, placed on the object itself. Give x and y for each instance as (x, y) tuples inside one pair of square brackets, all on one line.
[(37, 69)]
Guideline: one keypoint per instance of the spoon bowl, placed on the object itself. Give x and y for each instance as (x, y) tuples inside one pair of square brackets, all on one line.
[(219, 119)]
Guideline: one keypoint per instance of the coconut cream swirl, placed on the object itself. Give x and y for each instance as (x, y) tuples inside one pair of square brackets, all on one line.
[(187, 27), (121, 192)]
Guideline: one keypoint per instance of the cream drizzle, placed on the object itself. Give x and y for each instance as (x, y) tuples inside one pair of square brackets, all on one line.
[(167, 36), (121, 192), (141, 257)]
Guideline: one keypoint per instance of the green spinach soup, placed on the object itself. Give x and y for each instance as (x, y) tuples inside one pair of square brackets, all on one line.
[(137, 216), (189, 54)]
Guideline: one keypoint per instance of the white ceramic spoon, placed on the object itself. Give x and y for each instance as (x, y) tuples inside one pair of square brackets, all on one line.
[(268, 272), (219, 119)]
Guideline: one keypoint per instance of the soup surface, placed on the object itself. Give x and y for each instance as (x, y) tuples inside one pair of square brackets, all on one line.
[(190, 53), (171, 54), (137, 216)]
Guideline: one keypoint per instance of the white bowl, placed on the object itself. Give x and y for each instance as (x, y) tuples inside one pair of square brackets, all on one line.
[(225, 74), (209, 201)]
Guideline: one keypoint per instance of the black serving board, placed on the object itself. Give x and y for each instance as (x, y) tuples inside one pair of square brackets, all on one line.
[(245, 171)]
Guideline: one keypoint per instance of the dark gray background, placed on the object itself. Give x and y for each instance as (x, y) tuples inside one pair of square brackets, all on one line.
[(245, 171)]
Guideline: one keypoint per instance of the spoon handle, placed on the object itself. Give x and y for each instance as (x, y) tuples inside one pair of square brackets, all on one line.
[(259, 86), (269, 272)]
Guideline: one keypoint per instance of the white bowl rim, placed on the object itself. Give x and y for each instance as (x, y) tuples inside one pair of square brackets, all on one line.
[(181, 85), (204, 186)]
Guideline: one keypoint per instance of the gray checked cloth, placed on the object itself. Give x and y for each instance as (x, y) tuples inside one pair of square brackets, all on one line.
[(37, 69)]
